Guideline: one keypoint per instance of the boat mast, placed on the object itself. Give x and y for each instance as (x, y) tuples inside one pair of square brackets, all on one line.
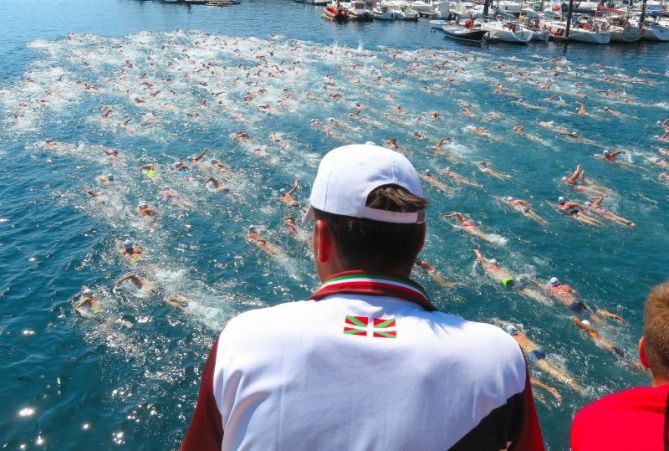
[(643, 14), (571, 7), (486, 6)]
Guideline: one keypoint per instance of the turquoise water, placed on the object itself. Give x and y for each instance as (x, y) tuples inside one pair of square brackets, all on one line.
[(128, 378)]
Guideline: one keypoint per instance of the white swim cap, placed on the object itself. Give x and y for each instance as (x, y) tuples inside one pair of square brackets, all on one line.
[(554, 282), (282, 190), (428, 172), (564, 178), (561, 200), (127, 244), (587, 203), (110, 176), (509, 198), (606, 152), (87, 292), (492, 261), (252, 229), (511, 330), (586, 322), (448, 168), (142, 205)]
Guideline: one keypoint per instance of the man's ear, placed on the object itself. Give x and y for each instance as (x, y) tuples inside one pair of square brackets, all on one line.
[(322, 241), (642, 352)]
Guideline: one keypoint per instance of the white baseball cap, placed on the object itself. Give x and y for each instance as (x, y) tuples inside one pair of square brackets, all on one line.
[(346, 176)]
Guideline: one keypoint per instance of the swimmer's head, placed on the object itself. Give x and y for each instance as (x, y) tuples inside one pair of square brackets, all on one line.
[(564, 178), (448, 168), (606, 152), (482, 164), (509, 198), (87, 292), (587, 203), (554, 282), (110, 177), (428, 172), (492, 261), (252, 229), (511, 330), (586, 322), (127, 244), (214, 161), (142, 206), (561, 200), (282, 191)]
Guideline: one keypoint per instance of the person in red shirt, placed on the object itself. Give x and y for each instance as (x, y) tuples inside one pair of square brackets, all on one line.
[(637, 418)]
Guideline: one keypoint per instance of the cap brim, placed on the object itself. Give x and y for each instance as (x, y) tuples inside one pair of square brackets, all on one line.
[(309, 215)]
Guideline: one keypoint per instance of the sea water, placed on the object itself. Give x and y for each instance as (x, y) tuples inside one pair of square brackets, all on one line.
[(161, 83)]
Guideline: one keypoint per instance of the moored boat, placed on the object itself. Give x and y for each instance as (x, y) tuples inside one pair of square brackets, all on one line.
[(405, 14), (334, 11), (466, 34), (654, 30), (507, 32), (383, 13), (357, 10)]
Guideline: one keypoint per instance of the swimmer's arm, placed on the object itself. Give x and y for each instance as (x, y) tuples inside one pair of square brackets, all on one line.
[(598, 202), (147, 167), (199, 156), (456, 215), (608, 314), (294, 188), (479, 256), (212, 180), (132, 278)]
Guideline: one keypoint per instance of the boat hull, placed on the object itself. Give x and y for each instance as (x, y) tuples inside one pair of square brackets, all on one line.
[(590, 37), (463, 34), (655, 34), (629, 35)]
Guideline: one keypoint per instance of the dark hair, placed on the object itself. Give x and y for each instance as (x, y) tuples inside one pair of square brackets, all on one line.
[(656, 329), (374, 245)]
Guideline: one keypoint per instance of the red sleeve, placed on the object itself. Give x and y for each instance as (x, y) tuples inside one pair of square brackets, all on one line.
[(206, 428), (530, 432)]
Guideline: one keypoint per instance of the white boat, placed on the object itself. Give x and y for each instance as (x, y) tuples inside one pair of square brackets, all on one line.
[(383, 13), (437, 24), (508, 6), (655, 31), (358, 11), (405, 14), (421, 6), (507, 32), (620, 34), (590, 36)]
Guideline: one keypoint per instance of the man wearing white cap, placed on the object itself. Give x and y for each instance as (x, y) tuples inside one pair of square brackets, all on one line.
[(367, 363)]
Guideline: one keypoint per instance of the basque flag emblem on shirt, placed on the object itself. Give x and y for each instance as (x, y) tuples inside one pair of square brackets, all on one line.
[(360, 325)]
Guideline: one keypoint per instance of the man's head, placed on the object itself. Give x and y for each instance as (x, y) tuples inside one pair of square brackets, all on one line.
[(654, 345), (369, 211)]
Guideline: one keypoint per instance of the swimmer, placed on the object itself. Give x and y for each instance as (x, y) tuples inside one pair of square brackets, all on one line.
[(129, 250), (457, 178), (596, 207), (198, 157), (214, 185), (138, 282), (291, 227), (567, 296), (522, 207), (574, 176), (602, 342), (439, 150), (479, 131), (537, 356), (611, 112), (659, 162), (610, 156), (242, 136), (144, 211), (105, 179), (493, 269), (576, 211), (536, 383), (483, 167), (149, 170), (430, 178), (581, 109), (111, 153), (469, 227), (287, 196), (182, 168), (253, 236), (434, 274), (87, 298), (177, 301)]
